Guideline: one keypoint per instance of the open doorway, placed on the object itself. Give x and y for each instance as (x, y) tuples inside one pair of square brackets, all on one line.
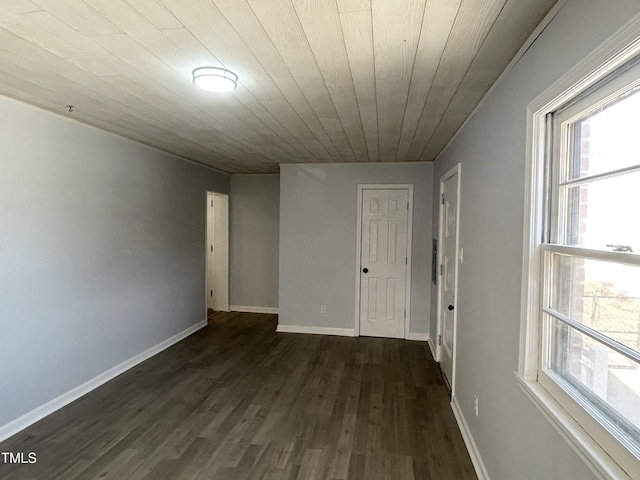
[(217, 278)]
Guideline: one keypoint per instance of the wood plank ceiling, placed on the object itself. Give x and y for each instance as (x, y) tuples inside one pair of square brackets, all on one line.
[(320, 80)]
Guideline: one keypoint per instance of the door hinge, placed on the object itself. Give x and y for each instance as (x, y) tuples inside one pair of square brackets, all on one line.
[(442, 198), (211, 248), (440, 269), (405, 314), (406, 260), (212, 203), (439, 339), (407, 205), (211, 294)]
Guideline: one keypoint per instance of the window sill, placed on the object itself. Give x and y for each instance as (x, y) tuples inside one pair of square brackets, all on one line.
[(596, 458)]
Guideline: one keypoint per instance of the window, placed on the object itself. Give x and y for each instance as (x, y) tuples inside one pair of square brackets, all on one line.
[(590, 326), (581, 292)]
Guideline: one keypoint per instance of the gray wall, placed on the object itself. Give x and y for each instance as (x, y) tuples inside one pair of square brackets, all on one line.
[(254, 221), (102, 252), (514, 439), (318, 215)]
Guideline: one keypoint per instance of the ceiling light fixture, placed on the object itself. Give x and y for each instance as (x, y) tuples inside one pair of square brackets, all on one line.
[(215, 79)]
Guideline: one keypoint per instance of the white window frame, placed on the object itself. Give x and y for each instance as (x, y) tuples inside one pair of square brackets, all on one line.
[(606, 457)]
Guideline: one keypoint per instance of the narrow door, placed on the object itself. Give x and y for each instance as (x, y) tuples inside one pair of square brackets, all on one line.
[(449, 242), (218, 252), (210, 250), (383, 262)]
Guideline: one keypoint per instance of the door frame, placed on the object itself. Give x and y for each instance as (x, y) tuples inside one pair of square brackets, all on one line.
[(220, 262), (384, 186), (455, 170)]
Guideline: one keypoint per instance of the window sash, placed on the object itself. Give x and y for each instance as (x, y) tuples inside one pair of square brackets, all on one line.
[(624, 258), (616, 87), (604, 414), (595, 334), (584, 413), (579, 403), (560, 138), (607, 457), (600, 176)]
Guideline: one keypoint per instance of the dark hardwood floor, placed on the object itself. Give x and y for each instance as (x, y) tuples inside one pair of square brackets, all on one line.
[(238, 401)]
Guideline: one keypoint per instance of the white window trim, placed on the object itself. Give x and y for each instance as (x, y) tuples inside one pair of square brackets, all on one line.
[(615, 52)]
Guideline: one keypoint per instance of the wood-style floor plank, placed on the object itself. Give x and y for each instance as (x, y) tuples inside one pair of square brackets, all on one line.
[(238, 401)]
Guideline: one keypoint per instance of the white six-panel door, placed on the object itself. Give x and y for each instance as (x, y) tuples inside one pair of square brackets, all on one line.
[(383, 262), (448, 270)]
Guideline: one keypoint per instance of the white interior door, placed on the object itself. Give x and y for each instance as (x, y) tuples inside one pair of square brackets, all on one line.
[(448, 272), (383, 262), (218, 252)]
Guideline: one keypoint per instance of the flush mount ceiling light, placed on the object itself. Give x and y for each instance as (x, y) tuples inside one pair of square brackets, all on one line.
[(215, 79)]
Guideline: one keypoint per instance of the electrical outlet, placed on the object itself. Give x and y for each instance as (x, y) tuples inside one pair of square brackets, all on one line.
[(475, 404), (323, 309)]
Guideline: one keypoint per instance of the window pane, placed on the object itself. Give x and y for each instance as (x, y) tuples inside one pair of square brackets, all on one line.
[(604, 296), (608, 139), (606, 379), (602, 213)]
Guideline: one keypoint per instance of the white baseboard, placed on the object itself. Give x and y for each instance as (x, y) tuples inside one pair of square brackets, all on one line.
[(343, 332), (434, 350), (418, 337), (240, 308), (474, 453), (57, 403)]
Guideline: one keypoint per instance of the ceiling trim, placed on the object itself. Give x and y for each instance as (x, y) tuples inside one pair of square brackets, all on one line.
[(102, 130), (532, 38)]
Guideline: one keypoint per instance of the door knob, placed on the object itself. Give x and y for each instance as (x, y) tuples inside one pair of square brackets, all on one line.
[(365, 270), (450, 307)]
